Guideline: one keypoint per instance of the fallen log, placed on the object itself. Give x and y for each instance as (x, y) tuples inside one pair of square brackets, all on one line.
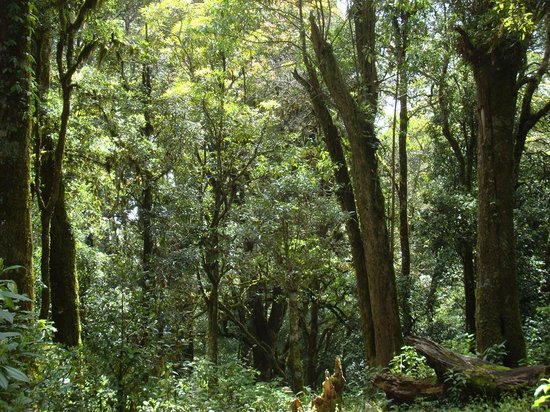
[(404, 389), (477, 377)]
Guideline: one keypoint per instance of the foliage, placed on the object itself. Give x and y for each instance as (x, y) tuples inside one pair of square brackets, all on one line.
[(410, 363), (542, 394), (22, 338)]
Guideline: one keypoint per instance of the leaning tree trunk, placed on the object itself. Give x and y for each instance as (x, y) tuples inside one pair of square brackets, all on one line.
[(15, 134), (370, 204), (346, 198)]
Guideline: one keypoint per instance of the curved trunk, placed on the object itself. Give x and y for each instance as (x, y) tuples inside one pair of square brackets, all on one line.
[(370, 205)]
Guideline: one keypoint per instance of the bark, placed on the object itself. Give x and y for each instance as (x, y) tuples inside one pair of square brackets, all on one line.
[(294, 352), (480, 378), (370, 204), (266, 330), (211, 267), (311, 332), (64, 280), (483, 378), (68, 61), (146, 209), (468, 272), (498, 315), (406, 390), (212, 304), (346, 199), (15, 135)]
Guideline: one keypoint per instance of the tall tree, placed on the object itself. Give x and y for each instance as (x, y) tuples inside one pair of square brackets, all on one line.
[(15, 135), (495, 46), (401, 26), (364, 169), (344, 193)]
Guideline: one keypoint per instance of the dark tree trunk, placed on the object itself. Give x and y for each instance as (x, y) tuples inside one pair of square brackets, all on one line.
[(401, 28), (468, 270), (312, 338), (370, 204), (266, 330), (146, 209), (212, 306), (497, 298), (64, 281), (15, 135)]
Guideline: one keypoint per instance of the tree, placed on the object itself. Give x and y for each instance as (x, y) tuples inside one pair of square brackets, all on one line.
[(15, 135), (495, 46), (364, 170)]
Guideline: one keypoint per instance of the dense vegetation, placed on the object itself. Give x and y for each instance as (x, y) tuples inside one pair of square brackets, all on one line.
[(204, 203)]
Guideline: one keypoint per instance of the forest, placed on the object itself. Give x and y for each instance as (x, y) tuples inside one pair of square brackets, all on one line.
[(274, 205)]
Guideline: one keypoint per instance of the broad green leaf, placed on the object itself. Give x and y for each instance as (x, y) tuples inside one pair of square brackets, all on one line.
[(5, 335), (7, 316), (16, 374), (3, 381)]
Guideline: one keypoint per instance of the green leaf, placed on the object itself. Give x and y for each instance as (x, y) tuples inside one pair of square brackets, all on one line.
[(16, 374), (7, 315), (16, 296), (3, 381), (540, 401), (5, 335)]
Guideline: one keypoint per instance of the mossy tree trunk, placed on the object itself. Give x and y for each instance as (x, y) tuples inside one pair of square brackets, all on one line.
[(15, 135), (498, 59), (346, 199), (64, 280), (366, 181)]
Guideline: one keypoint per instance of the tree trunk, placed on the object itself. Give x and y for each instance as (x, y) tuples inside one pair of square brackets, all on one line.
[(64, 280), (346, 198), (468, 270), (212, 304), (497, 299), (266, 330), (370, 205), (294, 353), (15, 135), (401, 28), (312, 337)]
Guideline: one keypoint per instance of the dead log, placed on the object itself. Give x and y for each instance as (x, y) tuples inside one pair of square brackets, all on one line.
[(404, 389), (481, 377), (477, 376)]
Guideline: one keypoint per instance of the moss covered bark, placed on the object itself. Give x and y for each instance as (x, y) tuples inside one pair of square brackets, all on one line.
[(15, 133)]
